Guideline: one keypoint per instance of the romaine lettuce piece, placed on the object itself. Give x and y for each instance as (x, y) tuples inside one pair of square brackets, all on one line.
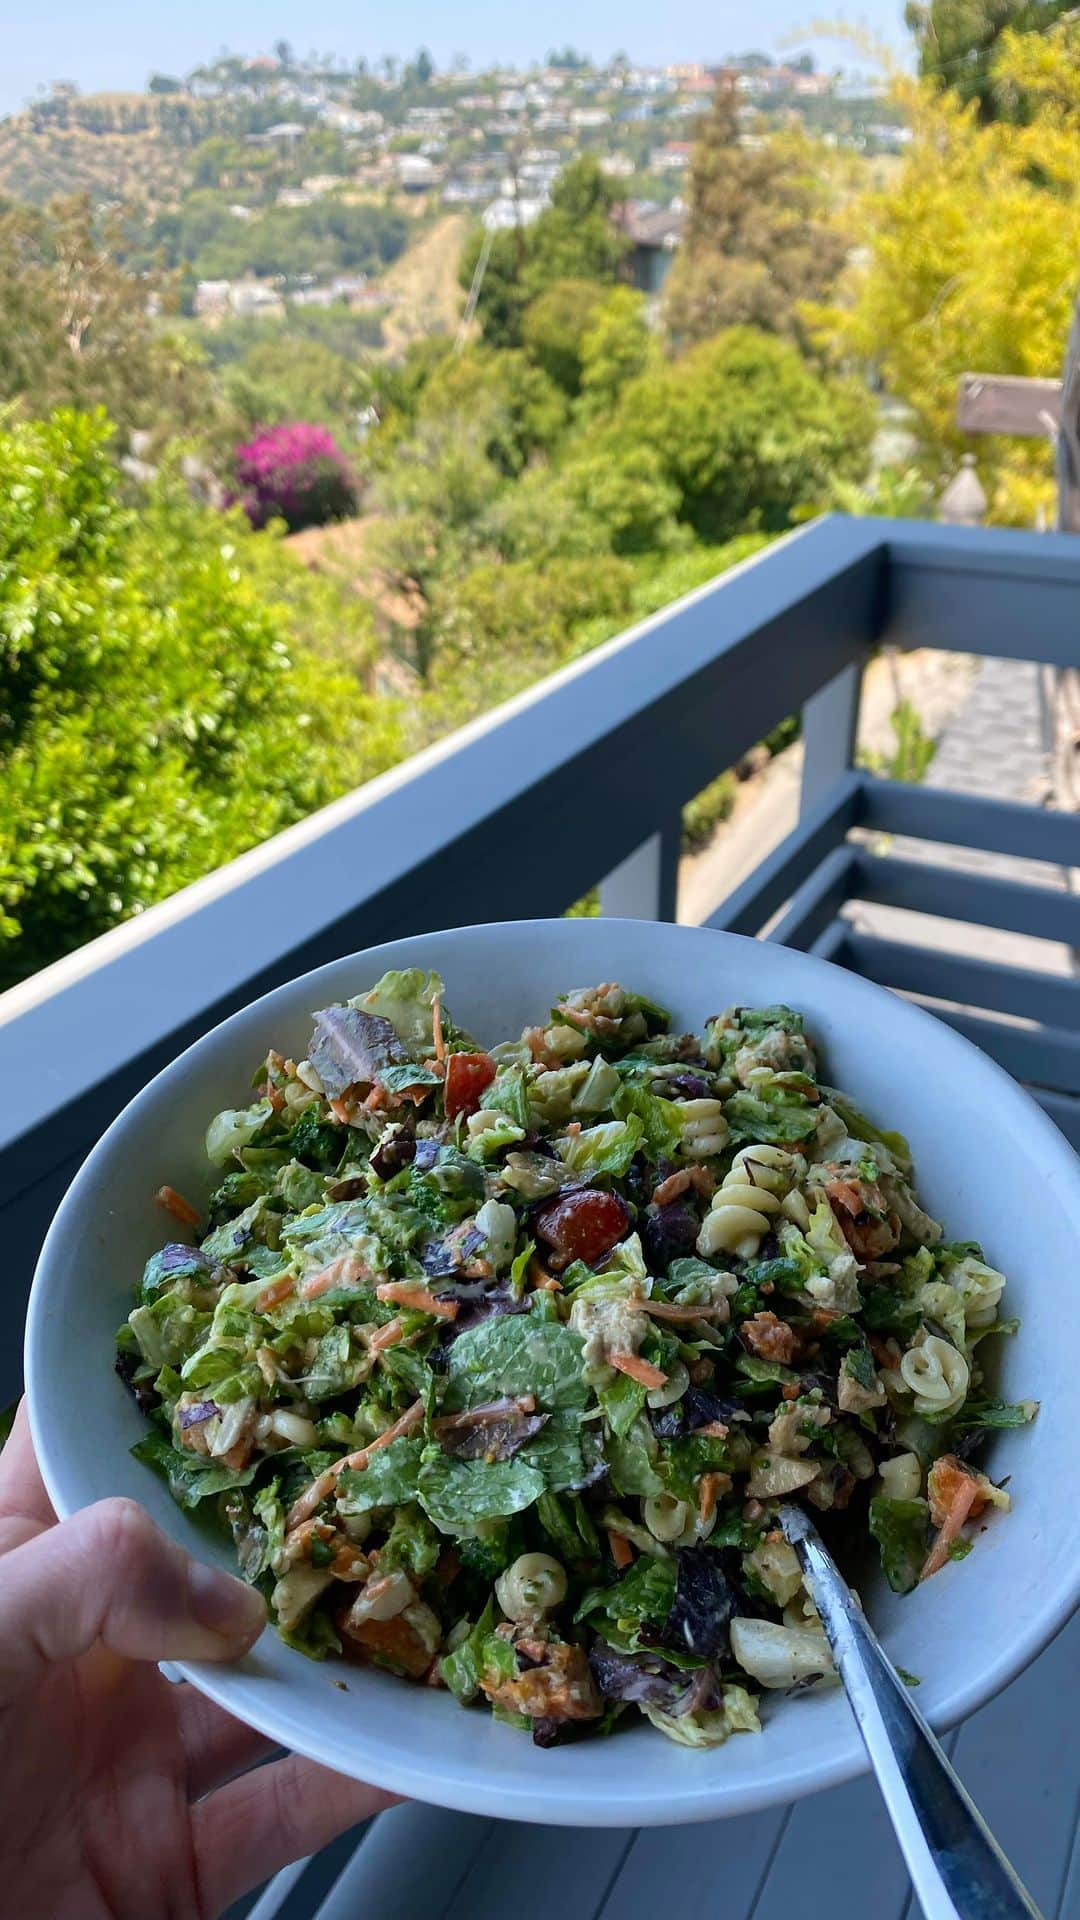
[(456, 1494), (191, 1477), (168, 1330), (235, 1127), (623, 1401), (567, 1525), (860, 1128), (989, 1413), (405, 997), (390, 1478), (462, 1668), (412, 1544), (258, 1224), (643, 1595), (708, 1726), (595, 1094), (166, 1268), (630, 1459), (514, 1355), (552, 1093), (753, 1119), (604, 1149), (902, 1530), (661, 1128)]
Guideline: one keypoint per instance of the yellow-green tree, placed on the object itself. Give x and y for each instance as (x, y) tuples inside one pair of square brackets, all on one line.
[(969, 260)]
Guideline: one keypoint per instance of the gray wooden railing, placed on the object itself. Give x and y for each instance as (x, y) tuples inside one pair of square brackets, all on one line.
[(581, 780)]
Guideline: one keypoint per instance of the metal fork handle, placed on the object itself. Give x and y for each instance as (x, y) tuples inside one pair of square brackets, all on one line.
[(957, 1868)]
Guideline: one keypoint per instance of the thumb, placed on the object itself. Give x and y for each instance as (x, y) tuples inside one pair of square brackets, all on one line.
[(108, 1574)]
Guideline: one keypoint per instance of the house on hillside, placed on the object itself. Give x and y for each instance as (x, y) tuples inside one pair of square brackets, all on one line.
[(508, 211), (672, 157), (654, 233)]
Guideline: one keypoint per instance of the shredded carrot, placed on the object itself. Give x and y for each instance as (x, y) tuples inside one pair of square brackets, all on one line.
[(419, 1299), (275, 1292), (317, 1283), (710, 1486), (304, 1506), (275, 1097), (387, 1336), (175, 1204), (961, 1499), (436, 1028), (621, 1551), (546, 1282), (340, 1111), (638, 1369)]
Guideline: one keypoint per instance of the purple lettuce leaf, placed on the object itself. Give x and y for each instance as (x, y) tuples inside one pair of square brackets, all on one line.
[(348, 1046), (705, 1601), (699, 1407), (494, 1439)]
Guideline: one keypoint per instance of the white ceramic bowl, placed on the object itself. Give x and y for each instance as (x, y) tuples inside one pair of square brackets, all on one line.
[(987, 1161)]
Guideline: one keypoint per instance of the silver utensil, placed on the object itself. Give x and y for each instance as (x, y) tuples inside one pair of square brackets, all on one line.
[(957, 1868)]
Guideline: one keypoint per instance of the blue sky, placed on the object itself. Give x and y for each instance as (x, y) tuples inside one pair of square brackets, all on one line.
[(116, 43)]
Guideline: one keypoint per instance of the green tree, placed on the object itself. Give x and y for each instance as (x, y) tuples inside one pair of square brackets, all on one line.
[(616, 346), (750, 435), (433, 497), (554, 326), (502, 626), (610, 496), (959, 41), (575, 238), (757, 241), (77, 330), (157, 717), (520, 410), (289, 378)]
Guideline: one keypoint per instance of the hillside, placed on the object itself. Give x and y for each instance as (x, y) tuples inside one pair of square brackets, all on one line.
[(114, 146), (424, 284)]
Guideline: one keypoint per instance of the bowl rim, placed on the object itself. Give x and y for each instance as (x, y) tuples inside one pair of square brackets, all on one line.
[(422, 1776)]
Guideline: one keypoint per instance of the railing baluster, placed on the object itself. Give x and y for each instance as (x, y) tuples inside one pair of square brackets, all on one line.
[(830, 718), (644, 886)]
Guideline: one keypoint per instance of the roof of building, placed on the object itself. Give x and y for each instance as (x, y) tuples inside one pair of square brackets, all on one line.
[(649, 225)]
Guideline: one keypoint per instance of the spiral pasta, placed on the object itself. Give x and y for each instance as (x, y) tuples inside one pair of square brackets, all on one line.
[(704, 1129), (937, 1374), (980, 1287), (755, 1189)]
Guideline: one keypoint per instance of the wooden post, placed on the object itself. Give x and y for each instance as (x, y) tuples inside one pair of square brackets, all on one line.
[(830, 718), (644, 886), (1068, 439)]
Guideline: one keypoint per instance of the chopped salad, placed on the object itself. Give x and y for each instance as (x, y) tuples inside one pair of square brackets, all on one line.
[(496, 1362)]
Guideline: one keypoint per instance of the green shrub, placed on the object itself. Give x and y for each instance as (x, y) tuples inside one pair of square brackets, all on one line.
[(704, 813), (156, 715)]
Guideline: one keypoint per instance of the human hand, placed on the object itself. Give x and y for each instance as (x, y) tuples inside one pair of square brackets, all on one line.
[(124, 1795)]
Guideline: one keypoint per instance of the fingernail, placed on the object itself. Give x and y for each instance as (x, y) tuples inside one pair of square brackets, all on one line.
[(224, 1605)]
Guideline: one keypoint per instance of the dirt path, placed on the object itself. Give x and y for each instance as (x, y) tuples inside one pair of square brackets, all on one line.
[(427, 298)]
